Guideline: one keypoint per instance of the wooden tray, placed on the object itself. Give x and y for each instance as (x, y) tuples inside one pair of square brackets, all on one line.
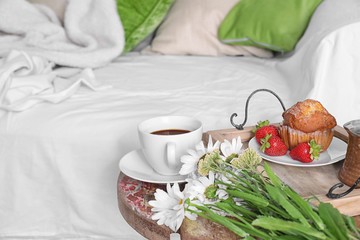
[(133, 195), (306, 181)]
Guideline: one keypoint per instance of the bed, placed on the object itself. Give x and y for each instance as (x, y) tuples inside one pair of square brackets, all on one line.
[(59, 162)]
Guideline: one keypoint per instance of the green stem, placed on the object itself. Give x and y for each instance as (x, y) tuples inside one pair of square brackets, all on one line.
[(221, 220), (245, 225), (240, 187)]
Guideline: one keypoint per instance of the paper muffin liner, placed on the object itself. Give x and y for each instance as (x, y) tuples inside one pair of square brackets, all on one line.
[(292, 137)]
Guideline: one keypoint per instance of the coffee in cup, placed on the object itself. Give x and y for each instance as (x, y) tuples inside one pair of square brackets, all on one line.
[(165, 139)]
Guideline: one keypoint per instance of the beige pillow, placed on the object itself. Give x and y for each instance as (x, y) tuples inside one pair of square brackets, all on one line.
[(191, 27), (58, 6)]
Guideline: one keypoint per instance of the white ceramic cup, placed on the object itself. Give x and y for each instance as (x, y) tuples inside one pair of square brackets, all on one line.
[(163, 152)]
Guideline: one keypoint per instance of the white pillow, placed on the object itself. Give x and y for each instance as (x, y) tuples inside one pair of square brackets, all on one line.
[(191, 27)]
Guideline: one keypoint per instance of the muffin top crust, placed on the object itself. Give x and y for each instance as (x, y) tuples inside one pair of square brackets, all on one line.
[(308, 116)]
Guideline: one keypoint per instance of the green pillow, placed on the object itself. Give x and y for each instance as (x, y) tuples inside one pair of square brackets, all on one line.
[(272, 24), (140, 18)]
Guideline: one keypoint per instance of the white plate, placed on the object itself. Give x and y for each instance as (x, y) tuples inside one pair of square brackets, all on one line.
[(335, 152), (134, 165)]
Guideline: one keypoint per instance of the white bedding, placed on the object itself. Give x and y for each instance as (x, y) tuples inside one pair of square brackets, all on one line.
[(59, 162), (91, 36), (60, 174)]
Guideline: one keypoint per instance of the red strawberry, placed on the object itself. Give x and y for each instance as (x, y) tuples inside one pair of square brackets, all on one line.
[(263, 128), (306, 152), (273, 146)]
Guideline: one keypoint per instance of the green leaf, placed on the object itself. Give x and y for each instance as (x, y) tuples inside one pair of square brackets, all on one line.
[(249, 238), (350, 222), (278, 196), (272, 176), (305, 207), (333, 220), (243, 211), (221, 220), (290, 237), (277, 224), (260, 202), (244, 224)]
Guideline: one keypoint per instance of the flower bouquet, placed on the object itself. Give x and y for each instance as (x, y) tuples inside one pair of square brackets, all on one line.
[(225, 187)]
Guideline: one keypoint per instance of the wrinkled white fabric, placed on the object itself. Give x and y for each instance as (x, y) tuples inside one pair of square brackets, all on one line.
[(92, 34), (59, 163), (28, 80)]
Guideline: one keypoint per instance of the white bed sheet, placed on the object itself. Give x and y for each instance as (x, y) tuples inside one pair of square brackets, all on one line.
[(59, 163)]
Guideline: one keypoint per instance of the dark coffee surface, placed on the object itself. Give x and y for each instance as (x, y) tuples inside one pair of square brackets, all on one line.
[(170, 132)]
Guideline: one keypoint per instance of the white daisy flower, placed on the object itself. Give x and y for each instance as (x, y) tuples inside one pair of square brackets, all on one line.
[(228, 148), (190, 162), (170, 207), (205, 190), (231, 150), (210, 147)]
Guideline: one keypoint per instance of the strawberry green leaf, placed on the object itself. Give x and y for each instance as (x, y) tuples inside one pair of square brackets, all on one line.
[(265, 142), (260, 124), (315, 149)]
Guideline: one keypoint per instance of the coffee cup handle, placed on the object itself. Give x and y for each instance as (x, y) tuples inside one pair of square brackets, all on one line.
[(170, 149)]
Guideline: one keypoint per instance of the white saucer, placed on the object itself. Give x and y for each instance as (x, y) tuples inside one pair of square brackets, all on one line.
[(134, 165), (335, 152)]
